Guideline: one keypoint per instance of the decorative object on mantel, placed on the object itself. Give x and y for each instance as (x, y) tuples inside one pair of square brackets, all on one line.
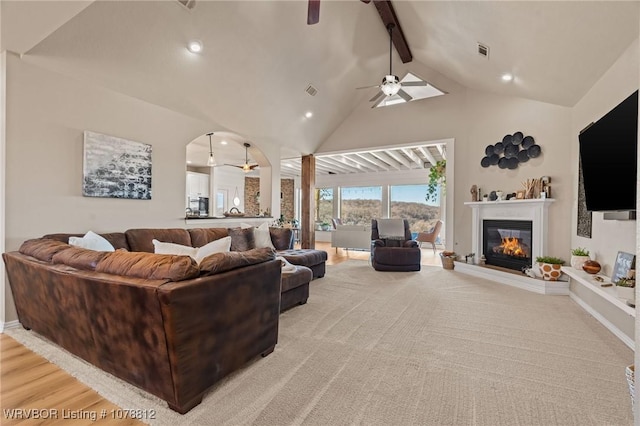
[(591, 267), (550, 267), (474, 193), (116, 168), (578, 257), (469, 258), (511, 151), (532, 188)]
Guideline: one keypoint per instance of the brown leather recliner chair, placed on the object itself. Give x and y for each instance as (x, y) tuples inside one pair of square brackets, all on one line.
[(394, 254)]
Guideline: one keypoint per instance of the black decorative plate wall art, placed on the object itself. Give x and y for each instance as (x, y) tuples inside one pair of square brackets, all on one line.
[(511, 151)]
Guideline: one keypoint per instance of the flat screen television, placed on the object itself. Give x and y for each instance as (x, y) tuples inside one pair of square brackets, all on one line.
[(608, 152)]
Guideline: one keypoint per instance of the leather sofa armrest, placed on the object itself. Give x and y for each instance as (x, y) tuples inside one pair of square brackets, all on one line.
[(410, 243)]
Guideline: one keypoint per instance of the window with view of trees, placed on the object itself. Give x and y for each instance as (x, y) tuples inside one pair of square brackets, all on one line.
[(360, 204), (324, 205), (408, 202)]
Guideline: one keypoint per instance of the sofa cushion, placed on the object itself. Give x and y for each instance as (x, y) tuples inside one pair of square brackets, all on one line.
[(197, 253), (242, 239), (148, 265), (79, 258), (282, 238), (221, 262), (202, 236), (300, 276), (141, 239), (261, 235), (117, 239), (43, 248), (304, 257), (91, 241)]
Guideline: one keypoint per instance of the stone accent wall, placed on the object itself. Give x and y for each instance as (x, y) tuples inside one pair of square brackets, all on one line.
[(251, 204)]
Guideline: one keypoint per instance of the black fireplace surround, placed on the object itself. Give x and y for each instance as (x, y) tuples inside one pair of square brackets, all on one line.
[(507, 243)]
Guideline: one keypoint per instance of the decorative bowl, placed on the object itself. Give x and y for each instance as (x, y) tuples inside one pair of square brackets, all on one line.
[(591, 267)]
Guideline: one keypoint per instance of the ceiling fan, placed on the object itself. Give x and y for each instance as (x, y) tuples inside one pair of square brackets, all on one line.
[(246, 167), (391, 84)]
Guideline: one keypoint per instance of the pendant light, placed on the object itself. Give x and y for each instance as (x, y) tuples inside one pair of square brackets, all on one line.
[(212, 161), (236, 199)]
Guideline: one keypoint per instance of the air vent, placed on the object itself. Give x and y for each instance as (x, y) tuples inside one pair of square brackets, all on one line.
[(189, 4), (311, 90), (483, 50)]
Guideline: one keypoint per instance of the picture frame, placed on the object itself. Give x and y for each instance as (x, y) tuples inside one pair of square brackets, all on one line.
[(114, 167), (624, 262), (520, 195)]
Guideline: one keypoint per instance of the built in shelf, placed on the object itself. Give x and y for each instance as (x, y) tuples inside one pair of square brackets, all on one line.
[(610, 294)]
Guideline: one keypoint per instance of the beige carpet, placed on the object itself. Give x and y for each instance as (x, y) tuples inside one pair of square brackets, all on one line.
[(410, 348)]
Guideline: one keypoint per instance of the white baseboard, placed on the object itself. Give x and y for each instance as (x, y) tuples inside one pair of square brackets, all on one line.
[(612, 328), (9, 325)]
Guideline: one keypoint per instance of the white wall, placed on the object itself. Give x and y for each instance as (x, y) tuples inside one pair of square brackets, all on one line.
[(47, 115), (608, 236), (474, 120)]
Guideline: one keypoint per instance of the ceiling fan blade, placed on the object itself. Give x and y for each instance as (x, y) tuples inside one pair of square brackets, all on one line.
[(232, 165), (376, 97), (414, 83), (313, 12), (379, 101), (404, 95), (366, 1), (367, 87)]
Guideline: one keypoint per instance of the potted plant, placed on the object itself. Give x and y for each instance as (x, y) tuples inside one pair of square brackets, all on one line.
[(436, 177), (578, 257), (550, 267), (626, 288), (324, 226)]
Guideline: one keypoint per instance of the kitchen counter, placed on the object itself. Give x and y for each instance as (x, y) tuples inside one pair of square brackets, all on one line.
[(227, 217), (225, 222)]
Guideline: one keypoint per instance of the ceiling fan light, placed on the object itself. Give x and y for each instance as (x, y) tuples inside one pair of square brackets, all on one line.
[(390, 85), (246, 168)]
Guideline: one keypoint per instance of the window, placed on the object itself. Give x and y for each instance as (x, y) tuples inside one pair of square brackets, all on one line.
[(221, 202), (408, 202), (360, 204), (324, 204)]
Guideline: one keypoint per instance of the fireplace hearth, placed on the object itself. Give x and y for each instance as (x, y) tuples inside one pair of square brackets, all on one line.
[(507, 243)]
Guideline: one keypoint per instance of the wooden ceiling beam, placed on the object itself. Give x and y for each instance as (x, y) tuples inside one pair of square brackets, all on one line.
[(388, 16)]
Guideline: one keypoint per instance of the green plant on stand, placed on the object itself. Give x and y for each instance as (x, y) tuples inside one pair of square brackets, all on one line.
[(550, 267), (550, 259), (578, 257), (580, 252), (436, 178)]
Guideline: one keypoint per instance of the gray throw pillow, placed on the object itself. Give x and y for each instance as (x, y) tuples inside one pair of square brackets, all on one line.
[(242, 239)]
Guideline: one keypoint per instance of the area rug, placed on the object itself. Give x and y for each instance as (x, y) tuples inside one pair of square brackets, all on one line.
[(408, 348)]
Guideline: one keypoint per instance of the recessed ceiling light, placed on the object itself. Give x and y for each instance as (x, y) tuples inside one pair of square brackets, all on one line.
[(507, 77), (308, 114), (195, 46), (223, 142)]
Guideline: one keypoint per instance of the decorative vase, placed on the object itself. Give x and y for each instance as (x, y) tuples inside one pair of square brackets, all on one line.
[(591, 267), (550, 271), (578, 261), (628, 293)]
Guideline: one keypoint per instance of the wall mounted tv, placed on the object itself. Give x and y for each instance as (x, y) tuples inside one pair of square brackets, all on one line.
[(608, 152)]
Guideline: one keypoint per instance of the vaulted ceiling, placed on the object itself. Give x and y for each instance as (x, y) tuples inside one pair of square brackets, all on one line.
[(260, 56)]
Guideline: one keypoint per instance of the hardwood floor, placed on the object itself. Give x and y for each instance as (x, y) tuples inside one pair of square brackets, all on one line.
[(28, 381)]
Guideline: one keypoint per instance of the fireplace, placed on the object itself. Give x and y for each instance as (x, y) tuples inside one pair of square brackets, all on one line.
[(507, 243)]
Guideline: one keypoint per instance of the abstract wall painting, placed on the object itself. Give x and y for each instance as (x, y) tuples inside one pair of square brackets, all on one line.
[(116, 168)]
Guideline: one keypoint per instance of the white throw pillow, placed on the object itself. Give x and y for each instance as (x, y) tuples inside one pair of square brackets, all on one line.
[(222, 245), (92, 241), (262, 236), (197, 253)]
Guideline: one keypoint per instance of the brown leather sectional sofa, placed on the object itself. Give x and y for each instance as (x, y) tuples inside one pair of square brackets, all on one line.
[(160, 322)]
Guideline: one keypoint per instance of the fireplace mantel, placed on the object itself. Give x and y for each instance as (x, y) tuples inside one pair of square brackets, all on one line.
[(535, 210)]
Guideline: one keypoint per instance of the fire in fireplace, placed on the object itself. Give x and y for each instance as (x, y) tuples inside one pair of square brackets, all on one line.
[(507, 243)]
